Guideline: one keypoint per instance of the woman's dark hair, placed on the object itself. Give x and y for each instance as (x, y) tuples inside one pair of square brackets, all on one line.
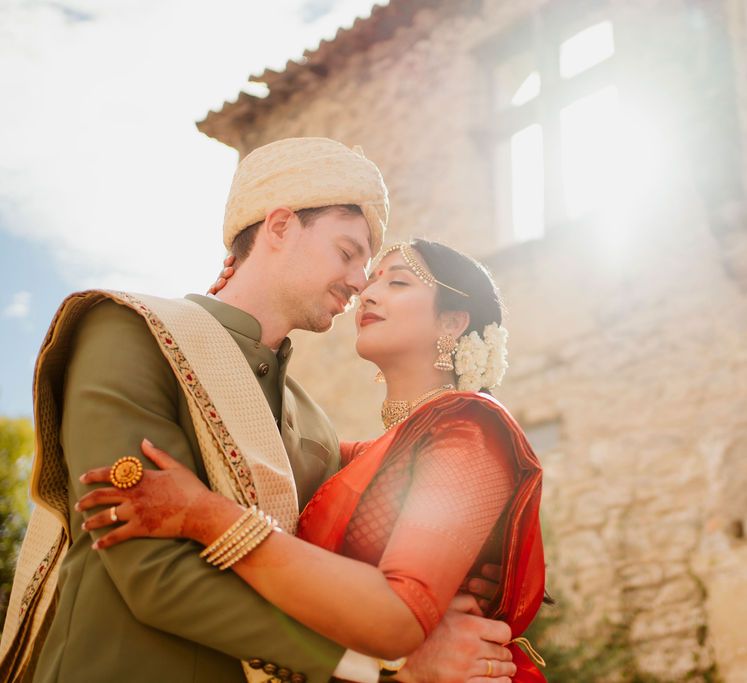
[(467, 275)]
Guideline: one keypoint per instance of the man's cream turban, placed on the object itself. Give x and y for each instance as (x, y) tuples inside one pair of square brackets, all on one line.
[(305, 173)]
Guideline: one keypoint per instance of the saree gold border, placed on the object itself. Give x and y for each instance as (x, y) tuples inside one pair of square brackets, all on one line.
[(260, 460), (32, 601), (216, 436), (48, 534), (16, 657)]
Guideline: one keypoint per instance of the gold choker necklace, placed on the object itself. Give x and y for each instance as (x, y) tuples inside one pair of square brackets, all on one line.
[(394, 412)]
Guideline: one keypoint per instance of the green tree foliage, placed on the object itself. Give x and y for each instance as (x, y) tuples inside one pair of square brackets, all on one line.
[(16, 450)]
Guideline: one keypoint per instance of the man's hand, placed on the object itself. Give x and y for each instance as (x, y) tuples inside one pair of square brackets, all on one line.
[(484, 587), (464, 647)]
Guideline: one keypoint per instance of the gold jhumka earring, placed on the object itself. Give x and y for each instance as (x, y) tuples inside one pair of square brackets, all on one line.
[(446, 346)]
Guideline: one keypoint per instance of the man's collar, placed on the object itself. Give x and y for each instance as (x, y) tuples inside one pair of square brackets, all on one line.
[(239, 321), (229, 316)]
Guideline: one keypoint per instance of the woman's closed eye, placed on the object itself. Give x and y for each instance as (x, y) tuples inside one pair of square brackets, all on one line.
[(345, 255), (399, 282)]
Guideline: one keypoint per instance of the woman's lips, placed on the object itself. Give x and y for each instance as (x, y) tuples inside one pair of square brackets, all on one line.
[(369, 318)]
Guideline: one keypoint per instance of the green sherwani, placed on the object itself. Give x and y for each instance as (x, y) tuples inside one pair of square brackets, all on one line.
[(150, 610)]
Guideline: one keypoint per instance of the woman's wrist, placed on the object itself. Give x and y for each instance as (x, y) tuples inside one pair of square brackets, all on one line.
[(209, 516)]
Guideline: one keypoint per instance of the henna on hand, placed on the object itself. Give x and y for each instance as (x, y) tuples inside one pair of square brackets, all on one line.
[(162, 504), (208, 517)]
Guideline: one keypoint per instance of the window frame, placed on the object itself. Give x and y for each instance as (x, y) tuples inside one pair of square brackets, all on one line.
[(545, 30)]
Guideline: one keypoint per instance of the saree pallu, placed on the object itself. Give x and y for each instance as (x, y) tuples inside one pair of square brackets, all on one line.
[(516, 536)]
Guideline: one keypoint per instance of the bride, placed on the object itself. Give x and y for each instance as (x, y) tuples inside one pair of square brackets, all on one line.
[(384, 545)]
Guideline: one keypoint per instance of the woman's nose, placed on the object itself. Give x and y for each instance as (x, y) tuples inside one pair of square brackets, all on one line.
[(368, 294)]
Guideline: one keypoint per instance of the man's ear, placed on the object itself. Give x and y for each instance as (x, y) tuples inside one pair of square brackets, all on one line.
[(277, 226), (454, 323)]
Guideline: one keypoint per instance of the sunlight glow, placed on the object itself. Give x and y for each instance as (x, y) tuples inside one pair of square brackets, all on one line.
[(612, 155), (586, 49), (588, 130), (528, 186)]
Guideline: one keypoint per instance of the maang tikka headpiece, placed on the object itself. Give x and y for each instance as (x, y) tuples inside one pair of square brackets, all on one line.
[(480, 361), (422, 273)]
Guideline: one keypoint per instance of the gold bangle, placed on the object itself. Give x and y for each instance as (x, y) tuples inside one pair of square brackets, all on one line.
[(240, 533), (211, 548), (249, 548), (257, 531)]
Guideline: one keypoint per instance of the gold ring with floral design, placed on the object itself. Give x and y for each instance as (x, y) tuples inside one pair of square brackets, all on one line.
[(126, 472)]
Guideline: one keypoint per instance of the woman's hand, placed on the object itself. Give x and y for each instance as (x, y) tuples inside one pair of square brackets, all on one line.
[(225, 274), (170, 502)]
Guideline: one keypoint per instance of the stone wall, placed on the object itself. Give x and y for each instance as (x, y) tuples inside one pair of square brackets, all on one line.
[(720, 558), (643, 381), (628, 349)]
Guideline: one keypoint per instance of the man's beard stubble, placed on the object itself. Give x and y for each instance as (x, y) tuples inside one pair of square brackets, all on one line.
[(320, 318)]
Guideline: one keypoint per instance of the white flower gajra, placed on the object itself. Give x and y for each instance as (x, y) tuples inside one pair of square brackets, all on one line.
[(481, 362)]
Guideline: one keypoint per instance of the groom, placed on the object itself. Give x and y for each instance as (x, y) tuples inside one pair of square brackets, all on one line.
[(304, 217)]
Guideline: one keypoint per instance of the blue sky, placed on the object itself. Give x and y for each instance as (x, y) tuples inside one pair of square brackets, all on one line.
[(30, 295), (104, 180)]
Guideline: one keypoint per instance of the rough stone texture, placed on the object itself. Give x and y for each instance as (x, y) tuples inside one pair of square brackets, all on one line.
[(628, 348)]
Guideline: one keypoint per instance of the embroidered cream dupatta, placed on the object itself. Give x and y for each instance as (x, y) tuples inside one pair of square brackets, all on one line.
[(237, 434)]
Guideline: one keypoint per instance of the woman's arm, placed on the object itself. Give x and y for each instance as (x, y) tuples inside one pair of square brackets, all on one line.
[(458, 491), (347, 601), (462, 479)]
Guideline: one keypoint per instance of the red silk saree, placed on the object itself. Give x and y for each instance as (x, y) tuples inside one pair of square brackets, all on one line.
[(453, 486)]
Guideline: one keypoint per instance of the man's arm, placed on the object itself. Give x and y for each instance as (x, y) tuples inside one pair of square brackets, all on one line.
[(119, 389)]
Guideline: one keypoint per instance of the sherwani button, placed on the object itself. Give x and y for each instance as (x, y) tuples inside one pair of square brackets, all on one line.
[(256, 663), (298, 678), (263, 369), (283, 674), (270, 668)]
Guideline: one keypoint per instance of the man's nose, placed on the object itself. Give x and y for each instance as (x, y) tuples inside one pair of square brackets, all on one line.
[(358, 280)]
